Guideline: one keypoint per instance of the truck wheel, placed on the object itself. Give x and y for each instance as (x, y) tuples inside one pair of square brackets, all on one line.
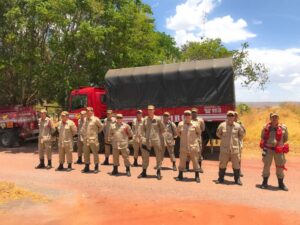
[(7, 139)]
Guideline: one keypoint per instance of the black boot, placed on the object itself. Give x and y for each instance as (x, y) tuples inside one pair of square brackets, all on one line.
[(281, 185), (187, 166), (128, 171), (143, 174), (60, 167), (69, 167), (115, 171), (174, 166), (49, 166), (221, 176), (86, 168), (237, 179), (264, 184), (41, 165), (197, 177), (79, 160), (135, 162), (200, 164), (158, 175), (180, 176), (106, 161), (96, 170)]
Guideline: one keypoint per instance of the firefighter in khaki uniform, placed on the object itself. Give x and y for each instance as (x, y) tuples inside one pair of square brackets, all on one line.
[(169, 139), (92, 126), (230, 133), (152, 131), (274, 137), (108, 122), (137, 135), (46, 129), (189, 132), (67, 130), (80, 137), (119, 135)]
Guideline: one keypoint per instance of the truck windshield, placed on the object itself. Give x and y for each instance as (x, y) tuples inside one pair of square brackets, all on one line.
[(78, 102)]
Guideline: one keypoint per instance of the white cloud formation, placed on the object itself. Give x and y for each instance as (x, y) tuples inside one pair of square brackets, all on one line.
[(190, 23)]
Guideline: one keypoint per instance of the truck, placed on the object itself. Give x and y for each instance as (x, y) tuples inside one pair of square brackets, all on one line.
[(207, 85), (17, 124)]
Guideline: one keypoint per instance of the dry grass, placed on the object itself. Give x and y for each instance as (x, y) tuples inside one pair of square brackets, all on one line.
[(258, 117), (10, 192)]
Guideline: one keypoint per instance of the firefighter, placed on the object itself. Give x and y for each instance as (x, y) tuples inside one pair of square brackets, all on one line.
[(119, 135), (189, 131), (152, 131), (92, 126), (169, 139), (80, 137), (46, 129), (67, 130), (274, 137), (108, 122), (137, 135), (230, 133)]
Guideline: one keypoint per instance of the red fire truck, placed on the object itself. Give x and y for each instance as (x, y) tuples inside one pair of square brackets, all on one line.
[(17, 123), (207, 85)]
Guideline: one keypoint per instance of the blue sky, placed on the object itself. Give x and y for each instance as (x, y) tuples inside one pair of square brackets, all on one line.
[(269, 26)]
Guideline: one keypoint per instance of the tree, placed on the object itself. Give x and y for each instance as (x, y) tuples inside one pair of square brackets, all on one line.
[(248, 71)]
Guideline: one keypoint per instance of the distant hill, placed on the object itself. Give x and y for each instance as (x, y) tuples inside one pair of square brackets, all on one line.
[(268, 104)]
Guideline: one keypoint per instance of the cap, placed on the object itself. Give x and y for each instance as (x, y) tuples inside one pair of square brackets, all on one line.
[(109, 111), (187, 112), (139, 111), (64, 113), (83, 112), (43, 111), (119, 115), (230, 113), (89, 109), (194, 110), (166, 114), (274, 114), (151, 107)]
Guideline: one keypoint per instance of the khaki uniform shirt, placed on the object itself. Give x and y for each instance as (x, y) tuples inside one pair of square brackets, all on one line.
[(152, 129), (106, 127), (189, 136), (137, 130), (230, 136), (91, 128), (170, 133), (46, 129), (272, 139), (119, 135), (66, 133)]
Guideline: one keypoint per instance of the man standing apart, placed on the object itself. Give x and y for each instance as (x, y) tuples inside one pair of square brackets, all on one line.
[(80, 137), (274, 137), (119, 135), (137, 135), (92, 126), (67, 130), (230, 133), (152, 130), (46, 129)]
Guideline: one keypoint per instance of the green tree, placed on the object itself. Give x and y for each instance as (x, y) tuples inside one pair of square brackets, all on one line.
[(248, 71)]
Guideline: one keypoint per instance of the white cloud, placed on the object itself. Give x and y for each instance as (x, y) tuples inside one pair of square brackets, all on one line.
[(190, 23)]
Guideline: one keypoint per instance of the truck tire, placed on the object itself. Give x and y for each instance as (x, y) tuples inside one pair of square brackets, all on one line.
[(7, 139)]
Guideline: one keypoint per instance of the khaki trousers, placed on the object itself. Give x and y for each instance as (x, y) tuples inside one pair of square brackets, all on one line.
[(94, 147), (45, 147), (225, 157), (280, 161), (193, 155), (146, 154), (125, 154)]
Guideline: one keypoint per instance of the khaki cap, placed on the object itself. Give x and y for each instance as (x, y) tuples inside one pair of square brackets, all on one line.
[(188, 112), (83, 112), (230, 113), (43, 111), (194, 110), (109, 111), (64, 113), (151, 107), (139, 111), (166, 114), (274, 114), (89, 109), (119, 115)]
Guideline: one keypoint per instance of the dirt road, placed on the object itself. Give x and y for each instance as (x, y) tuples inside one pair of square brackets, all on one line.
[(104, 199)]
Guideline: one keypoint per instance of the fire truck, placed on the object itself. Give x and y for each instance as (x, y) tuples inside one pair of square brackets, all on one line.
[(207, 85), (17, 123)]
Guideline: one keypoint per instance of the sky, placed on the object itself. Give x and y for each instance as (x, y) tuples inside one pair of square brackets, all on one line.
[(271, 27)]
